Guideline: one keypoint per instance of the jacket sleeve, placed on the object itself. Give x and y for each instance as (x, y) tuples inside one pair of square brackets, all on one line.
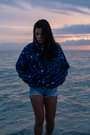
[(64, 66), (21, 66), (64, 63)]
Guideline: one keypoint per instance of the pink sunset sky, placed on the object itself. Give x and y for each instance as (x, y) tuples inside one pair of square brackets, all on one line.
[(69, 20)]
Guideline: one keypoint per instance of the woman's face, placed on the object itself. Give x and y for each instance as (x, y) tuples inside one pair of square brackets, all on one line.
[(38, 35)]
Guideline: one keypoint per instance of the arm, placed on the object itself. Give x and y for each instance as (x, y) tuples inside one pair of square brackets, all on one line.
[(21, 66), (64, 66)]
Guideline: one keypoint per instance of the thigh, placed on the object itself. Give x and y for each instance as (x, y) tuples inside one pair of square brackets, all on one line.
[(50, 108), (37, 102)]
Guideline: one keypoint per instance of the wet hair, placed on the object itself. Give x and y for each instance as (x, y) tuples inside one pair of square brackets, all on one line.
[(49, 41)]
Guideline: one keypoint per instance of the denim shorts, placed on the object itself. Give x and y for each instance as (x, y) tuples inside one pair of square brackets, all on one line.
[(45, 92)]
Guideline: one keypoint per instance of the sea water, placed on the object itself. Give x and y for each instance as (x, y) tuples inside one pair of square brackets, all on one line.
[(73, 106)]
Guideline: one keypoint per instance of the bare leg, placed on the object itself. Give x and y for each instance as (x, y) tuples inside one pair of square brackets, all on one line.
[(37, 104), (50, 107)]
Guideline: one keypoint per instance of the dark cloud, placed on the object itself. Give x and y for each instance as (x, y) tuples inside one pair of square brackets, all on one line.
[(75, 9), (79, 3), (59, 12), (62, 36), (18, 46), (57, 6), (20, 4), (73, 29), (9, 3), (76, 42), (64, 8)]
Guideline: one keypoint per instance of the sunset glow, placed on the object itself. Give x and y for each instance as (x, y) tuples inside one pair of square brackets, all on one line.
[(70, 22)]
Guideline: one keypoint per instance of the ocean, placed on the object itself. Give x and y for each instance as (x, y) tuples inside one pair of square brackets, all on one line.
[(73, 106)]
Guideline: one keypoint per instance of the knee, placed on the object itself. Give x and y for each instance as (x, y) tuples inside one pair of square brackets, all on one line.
[(39, 122), (50, 123)]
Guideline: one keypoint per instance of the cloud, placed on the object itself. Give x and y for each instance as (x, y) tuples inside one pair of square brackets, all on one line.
[(15, 18), (76, 43), (66, 9), (73, 29), (20, 46), (62, 36), (20, 4), (79, 3), (57, 6)]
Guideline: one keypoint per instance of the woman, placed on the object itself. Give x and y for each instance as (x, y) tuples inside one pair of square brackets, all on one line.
[(43, 66)]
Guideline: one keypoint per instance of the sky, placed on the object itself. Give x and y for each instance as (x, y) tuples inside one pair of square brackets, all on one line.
[(69, 20)]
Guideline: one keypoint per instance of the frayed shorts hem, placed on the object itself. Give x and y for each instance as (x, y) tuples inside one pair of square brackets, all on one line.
[(46, 92)]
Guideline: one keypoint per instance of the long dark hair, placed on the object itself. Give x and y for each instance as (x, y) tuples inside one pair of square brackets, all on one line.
[(50, 44)]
